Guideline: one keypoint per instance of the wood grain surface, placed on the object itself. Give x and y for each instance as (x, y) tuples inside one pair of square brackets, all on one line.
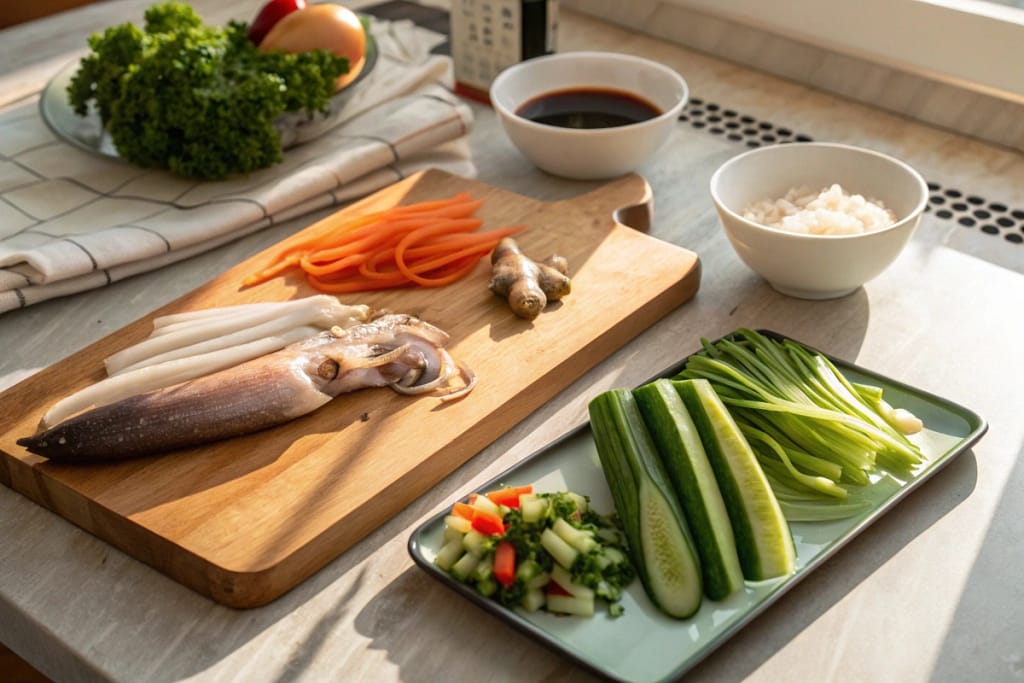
[(245, 520), (14, 669)]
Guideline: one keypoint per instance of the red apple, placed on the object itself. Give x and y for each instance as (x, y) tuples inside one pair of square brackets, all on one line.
[(269, 15)]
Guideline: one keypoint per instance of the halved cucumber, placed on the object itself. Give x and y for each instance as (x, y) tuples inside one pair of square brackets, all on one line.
[(763, 540), (687, 465), (655, 528)]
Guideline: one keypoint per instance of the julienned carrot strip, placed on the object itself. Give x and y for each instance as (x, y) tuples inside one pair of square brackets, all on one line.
[(374, 271), (446, 258), (314, 263), (315, 235), (443, 244), (419, 268), (370, 267), (288, 252), (334, 269), (409, 240), (447, 278), (353, 285), (329, 226), (431, 205), (464, 210), (404, 221), (417, 275), (447, 273), (317, 264), (429, 244), (275, 269), (385, 233), (370, 280), (460, 210), (424, 264), (283, 256)]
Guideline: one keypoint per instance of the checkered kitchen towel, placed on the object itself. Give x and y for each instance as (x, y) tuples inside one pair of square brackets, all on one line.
[(71, 220)]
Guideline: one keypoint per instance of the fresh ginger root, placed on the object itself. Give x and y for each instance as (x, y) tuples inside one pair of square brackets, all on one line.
[(528, 285)]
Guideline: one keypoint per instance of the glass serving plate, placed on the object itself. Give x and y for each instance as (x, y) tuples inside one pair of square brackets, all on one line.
[(87, 132), (643, 644)]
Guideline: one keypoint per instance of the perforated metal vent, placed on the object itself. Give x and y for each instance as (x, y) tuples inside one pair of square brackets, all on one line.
[(968, 210)]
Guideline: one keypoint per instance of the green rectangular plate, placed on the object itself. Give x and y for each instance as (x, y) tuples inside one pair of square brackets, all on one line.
[(643, 644)]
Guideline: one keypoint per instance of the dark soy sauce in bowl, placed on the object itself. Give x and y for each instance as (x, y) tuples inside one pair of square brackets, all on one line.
[(587, 108)]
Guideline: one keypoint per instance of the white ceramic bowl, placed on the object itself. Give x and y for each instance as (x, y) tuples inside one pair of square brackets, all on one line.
[(817, 266), (592, 153)]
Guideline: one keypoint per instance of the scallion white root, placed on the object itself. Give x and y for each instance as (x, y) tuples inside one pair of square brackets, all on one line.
[(238, 324), (207, 313)]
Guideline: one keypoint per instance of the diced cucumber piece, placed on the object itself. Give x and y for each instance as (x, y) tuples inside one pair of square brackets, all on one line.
[(464, 566), (613, 555), (459, 524), (563, 579), (484, 568), (539, 581), (527, 570), (584, 542), (609, 556), (563, 553), (487, 587), (451, 534), (693, 480), (763, 539), (656, 531), (581, 501), (533, 509), (580, 539), (607, 591), (449, 554), (568, 604), (474, 542), (482, 502), (534, 599)]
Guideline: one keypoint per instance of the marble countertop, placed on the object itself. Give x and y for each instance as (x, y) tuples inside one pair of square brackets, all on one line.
[(928, 593)]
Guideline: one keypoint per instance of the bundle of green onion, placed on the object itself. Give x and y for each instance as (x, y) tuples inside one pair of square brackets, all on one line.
[(815, 433)]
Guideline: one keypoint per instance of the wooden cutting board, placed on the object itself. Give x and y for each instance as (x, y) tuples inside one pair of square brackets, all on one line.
[(245, 520)]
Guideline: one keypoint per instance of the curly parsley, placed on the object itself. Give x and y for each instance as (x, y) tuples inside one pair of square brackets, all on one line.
[(197, 100)]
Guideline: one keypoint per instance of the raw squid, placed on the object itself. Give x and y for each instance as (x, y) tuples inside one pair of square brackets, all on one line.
[(394, 350)]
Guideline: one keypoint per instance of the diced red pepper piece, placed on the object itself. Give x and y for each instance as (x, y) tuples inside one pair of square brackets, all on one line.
[(509, 496), (555, 588), (505, 564), (463, 510), (487, 523)]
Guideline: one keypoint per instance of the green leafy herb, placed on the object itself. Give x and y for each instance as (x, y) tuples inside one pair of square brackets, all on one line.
[(197, 100)]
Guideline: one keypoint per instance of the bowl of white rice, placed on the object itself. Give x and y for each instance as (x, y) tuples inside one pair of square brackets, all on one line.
[(818, 220)]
